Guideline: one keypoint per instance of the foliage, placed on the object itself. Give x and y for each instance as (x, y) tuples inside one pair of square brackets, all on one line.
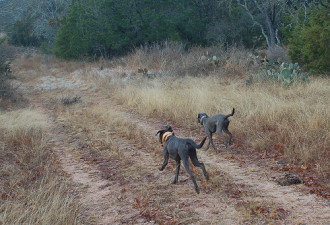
[(110, 27), (5, 72), (226, 16), (106, 28), (21, 33), (309, 42)]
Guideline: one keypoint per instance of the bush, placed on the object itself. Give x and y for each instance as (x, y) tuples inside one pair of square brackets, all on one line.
[(5, 72), (109, 28), (309, 43), (8, 93), (21, 33)]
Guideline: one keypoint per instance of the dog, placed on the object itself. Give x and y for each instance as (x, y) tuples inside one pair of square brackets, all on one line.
[(180, 149), (216, 123)]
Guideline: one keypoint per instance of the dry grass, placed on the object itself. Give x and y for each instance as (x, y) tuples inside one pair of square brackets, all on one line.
[(293, 120), (111, 135), (32, 189), (172, 59)]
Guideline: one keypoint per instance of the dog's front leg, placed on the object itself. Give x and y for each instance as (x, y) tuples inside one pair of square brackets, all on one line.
[(176, 177), (166, 156)]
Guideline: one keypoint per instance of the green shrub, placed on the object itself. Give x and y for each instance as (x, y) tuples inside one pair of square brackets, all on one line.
[(21, 33), (309, 42), (6, 89), (106, 28)]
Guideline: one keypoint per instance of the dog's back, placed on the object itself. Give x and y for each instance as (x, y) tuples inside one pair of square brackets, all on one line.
[(183, 143)]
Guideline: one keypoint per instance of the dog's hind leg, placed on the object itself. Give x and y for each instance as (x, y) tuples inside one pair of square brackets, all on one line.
[(195, 162), (230, 135), (225, 129), (176, 177), (219, 131), (186, 166)]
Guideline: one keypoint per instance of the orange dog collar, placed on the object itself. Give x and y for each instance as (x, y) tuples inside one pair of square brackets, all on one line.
[(165, 136)]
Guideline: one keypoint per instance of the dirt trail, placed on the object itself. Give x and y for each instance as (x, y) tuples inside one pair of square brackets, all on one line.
[(104, 200), (127, 198), (303, 208), (93, 191)]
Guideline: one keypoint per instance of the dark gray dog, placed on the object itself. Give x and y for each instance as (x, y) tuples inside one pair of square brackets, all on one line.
[(216, 123), (180, 149)]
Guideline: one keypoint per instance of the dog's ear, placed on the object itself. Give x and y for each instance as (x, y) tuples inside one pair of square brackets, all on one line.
[(160, 131), (198, 118), (168, 128)]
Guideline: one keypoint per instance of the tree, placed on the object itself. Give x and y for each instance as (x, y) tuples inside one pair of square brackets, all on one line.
[(46, 15), (309, 42), (115, 26), (267, 15), (230, 24), (21, 33), (10, 12)]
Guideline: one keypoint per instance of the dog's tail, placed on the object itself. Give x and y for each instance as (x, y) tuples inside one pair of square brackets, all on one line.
[(230, 114), (201, 144)]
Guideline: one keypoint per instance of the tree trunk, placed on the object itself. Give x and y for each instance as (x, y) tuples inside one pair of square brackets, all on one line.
[(270, 31)]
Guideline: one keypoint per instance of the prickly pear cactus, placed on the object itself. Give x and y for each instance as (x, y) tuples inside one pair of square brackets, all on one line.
[(284, 73), (212, 60)]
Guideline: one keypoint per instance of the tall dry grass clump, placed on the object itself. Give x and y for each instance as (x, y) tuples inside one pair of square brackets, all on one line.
[(32, 190)]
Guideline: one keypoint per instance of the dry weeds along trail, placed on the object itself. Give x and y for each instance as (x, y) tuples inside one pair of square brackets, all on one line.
[(112, 156)]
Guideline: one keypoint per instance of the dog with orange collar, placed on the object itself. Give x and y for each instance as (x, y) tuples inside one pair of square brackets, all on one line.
[(180, 149)]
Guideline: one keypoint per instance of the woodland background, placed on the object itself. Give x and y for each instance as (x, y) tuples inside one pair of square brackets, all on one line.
[(88, 28)]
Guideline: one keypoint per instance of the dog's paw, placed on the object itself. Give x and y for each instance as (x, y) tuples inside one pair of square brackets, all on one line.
[(197, 190), (161, 168)]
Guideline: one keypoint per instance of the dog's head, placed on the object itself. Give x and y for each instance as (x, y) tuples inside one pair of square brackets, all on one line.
[(168, 128), (200, 117)]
